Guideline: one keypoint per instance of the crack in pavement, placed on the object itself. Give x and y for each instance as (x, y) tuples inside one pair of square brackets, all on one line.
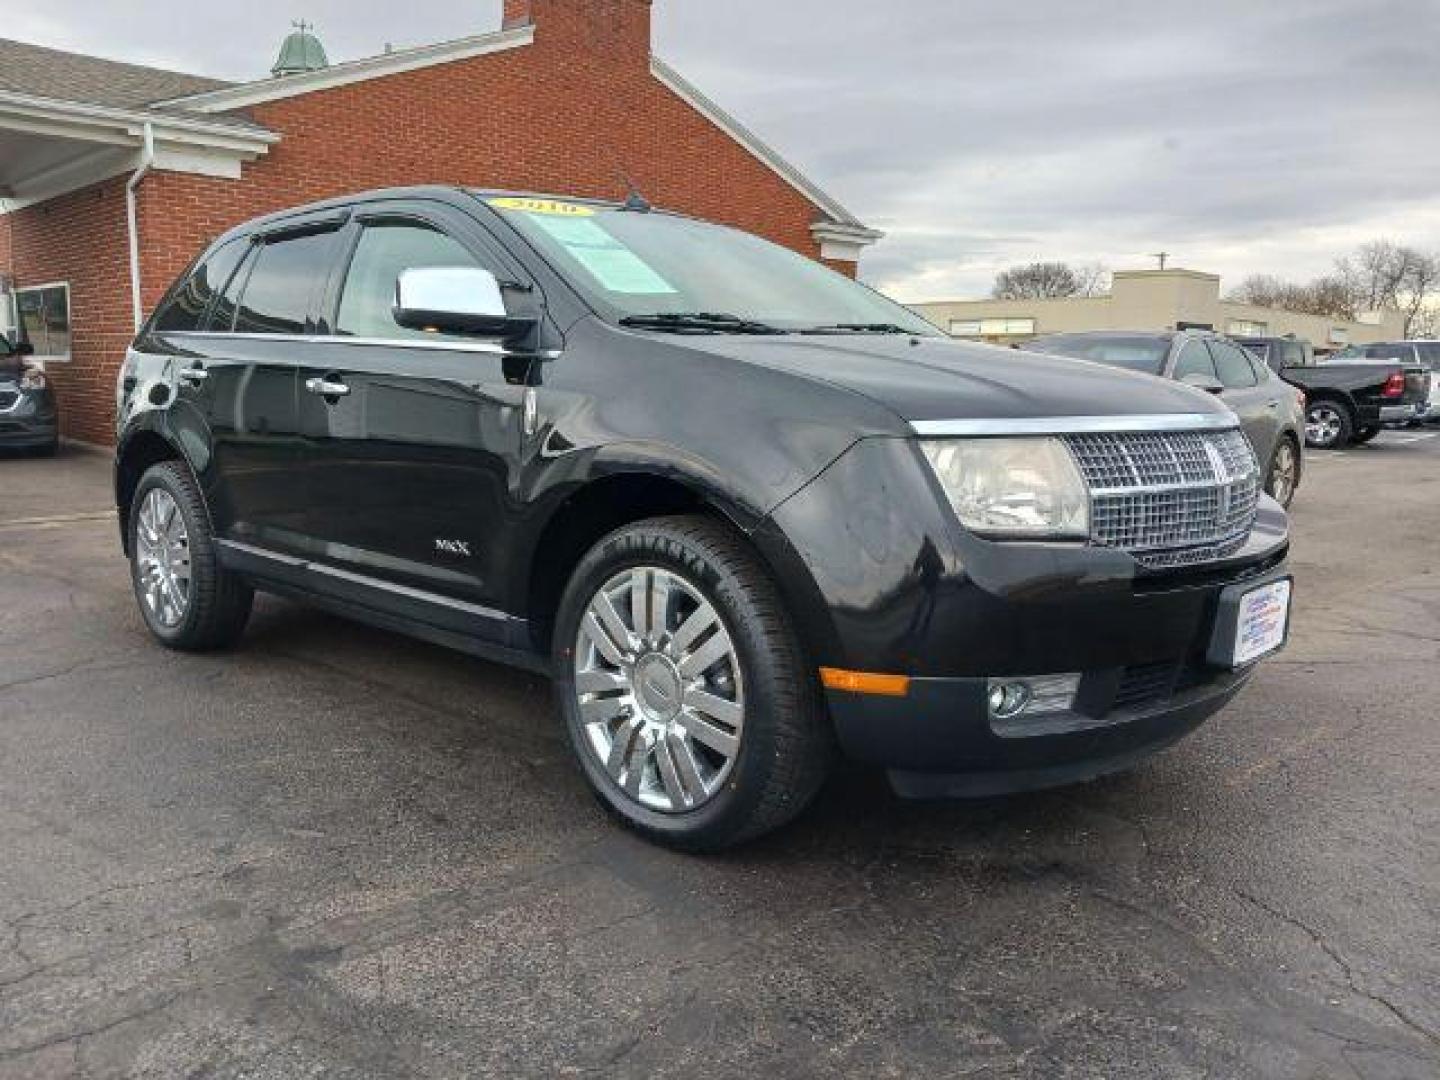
[(1340, 962)]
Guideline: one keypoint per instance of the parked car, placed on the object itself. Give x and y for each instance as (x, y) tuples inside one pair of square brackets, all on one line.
[(1424, 353), (1349, 398), (29, 417), (1271, 413), (742, 508)]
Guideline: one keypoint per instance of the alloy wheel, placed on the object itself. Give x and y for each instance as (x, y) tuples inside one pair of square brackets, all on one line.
[(660, 689), (1323, 425), (163, 558), (1282, 473)]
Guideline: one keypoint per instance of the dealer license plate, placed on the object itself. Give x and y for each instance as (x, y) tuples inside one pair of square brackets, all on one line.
[(1264, 622)]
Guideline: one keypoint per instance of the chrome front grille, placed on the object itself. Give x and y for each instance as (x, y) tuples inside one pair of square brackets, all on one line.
[(1172, 498)]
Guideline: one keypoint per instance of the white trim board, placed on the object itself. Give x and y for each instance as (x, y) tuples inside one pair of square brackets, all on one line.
[(371, 67), (696, 99)]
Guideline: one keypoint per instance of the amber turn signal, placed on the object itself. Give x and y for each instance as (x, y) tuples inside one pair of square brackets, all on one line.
[(862, 682)]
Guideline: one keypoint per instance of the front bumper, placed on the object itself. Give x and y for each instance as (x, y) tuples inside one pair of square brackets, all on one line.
[(31, 420), (913, 594)]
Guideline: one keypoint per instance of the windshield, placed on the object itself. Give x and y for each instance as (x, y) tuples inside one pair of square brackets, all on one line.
[(1145, 355), (635, 266)]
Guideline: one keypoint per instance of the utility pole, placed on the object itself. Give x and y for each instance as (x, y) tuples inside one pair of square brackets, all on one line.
[(1163, 256)]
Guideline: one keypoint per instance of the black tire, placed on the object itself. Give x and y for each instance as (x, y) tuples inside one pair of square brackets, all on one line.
[(218, 601), (785, 748), (1328, 424), (1365, 434), (1276, 486)]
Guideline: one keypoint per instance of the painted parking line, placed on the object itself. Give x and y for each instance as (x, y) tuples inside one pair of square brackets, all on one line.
[(1405, 440)]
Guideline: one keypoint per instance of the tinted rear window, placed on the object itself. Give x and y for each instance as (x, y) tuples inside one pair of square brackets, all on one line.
[(186, 308), (279, 293), (1132, 353)]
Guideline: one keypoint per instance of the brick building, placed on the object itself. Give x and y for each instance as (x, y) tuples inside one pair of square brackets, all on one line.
[(97, 157)]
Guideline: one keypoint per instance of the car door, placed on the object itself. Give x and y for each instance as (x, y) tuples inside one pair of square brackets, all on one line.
[(412, 436), (1258, 402), (234, 331)]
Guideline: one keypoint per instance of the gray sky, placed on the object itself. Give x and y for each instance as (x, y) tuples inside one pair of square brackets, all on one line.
[(1243, 136)]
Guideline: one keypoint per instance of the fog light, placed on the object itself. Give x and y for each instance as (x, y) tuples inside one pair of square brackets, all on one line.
[(1008, 699), (1035, 695)]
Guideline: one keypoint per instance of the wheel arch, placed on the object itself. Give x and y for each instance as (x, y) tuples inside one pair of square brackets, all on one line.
[(140, 451), (623, 497)]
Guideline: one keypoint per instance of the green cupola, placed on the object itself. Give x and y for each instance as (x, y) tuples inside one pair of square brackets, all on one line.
[(301, 52)]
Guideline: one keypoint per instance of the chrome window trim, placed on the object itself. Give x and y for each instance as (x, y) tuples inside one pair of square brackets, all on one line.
[(490, 348), (1077, 425)]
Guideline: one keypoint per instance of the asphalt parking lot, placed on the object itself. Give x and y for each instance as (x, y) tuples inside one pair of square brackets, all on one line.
[(339, 852)]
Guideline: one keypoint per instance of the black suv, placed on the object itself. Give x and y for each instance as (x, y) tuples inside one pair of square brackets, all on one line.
[(743, 509)]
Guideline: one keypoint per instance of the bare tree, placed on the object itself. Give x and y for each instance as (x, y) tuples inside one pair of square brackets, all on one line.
[(1418, 291), (1036, 281), (1330, 297), (1092, 279), (1374, 273)]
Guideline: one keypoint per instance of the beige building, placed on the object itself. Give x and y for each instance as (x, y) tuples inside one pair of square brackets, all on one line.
[(1151, 300)]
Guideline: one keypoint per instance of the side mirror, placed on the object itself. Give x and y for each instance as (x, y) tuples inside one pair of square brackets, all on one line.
[(455, 300), (1204, 382)]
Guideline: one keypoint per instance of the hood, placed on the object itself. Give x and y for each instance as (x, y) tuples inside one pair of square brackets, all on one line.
[(941, 379)]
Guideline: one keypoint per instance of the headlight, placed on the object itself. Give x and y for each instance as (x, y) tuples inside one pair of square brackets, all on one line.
[(32, 379), (1017, 488)]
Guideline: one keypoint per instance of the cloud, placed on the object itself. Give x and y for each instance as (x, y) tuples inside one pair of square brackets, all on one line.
[(1241, 137)]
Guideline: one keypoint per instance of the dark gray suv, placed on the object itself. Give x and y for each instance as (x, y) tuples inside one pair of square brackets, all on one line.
[(1271, 411), (29, 419)]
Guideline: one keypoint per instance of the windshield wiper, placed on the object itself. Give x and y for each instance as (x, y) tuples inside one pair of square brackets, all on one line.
[(859, 328), (699, 322)]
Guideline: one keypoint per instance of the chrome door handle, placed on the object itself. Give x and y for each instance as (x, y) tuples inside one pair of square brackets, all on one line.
[(194, 374), (326, 388)]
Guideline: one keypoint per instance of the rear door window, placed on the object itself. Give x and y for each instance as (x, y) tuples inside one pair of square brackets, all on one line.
[(1195, 360), (280, 292), (186, 308), (222, 312), (1233, 366)]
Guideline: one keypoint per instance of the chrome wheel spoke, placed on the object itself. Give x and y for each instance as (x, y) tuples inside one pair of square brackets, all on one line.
[(635, 767), (600, 681), (706, 731), (595, 632), (605, 612), (657, 620), (640, 602), (602, 710), (707, 656), (698, 623), (687, 769), (680, 796), (727, 712), (622, 746)]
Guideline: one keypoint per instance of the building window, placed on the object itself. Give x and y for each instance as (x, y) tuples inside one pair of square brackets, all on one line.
[(45, 319), (1249, 328), (992, 327), (1339, 335)]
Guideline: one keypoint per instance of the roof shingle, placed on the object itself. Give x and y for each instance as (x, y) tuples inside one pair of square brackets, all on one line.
[(66, 76)]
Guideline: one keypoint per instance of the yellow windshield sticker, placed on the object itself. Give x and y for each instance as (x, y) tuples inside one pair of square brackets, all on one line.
[(547, 207)]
